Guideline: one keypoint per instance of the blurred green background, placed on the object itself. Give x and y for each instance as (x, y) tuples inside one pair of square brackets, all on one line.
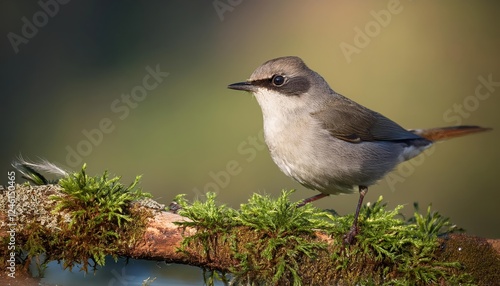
[(414, 63)]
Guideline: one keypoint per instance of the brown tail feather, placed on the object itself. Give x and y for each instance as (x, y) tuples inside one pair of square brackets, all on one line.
[(443, 133)]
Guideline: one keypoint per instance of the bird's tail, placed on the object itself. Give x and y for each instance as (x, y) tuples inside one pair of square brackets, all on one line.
[(443, 133)]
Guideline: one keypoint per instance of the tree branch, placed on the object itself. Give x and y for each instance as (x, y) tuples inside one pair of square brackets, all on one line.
[(29, 210)]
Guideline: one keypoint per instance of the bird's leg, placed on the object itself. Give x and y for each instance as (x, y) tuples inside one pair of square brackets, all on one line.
[(349, 237), (312, 199)]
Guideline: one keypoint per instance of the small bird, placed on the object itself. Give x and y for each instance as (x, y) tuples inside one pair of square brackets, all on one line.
[(327, 142)]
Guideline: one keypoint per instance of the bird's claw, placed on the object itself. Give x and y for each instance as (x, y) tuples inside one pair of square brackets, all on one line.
[(350, 236)]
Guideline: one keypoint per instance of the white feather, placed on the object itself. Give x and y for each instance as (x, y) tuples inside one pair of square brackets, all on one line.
[(43, 166)]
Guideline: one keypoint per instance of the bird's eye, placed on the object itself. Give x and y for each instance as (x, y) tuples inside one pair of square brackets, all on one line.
[(278, 80)]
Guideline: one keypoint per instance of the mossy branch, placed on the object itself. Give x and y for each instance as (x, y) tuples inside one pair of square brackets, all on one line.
[(267, 241)]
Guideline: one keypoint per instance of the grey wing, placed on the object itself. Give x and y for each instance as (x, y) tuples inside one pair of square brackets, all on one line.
[(349, 121)]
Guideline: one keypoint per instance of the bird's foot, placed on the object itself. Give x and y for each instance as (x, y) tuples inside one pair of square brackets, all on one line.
[(350, 236)]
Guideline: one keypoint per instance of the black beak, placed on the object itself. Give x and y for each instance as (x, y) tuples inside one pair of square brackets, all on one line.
[(246, 86)]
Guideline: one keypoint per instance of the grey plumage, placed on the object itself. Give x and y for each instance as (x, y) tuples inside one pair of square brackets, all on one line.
[(322, 139)]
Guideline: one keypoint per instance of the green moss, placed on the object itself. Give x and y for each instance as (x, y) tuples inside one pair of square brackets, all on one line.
[(100, 216), (273, 242), (285, 236)]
